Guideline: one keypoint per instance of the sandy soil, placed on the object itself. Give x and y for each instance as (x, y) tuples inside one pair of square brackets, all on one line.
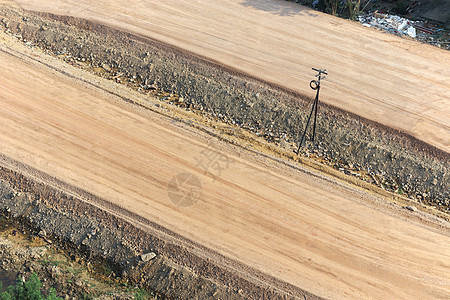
[(397, 82), (294, 224)]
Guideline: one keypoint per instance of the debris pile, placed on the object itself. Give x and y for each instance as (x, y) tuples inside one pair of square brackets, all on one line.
[(394, 24), (420, 30)]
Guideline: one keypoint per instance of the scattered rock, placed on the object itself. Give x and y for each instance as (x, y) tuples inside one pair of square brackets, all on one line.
[(148, 256), (411, 208), (152, 87), (355, 173), (106, 67), (54, 271), (5, 22), (79, 283), (37, 252), (42, 233)]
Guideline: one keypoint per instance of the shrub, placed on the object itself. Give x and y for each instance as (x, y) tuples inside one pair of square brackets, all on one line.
[(28, 290)]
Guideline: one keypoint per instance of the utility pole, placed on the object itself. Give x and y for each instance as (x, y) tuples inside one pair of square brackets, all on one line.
[(315, 85)]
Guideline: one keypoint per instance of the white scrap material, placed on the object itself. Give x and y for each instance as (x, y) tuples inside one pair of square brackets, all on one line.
[(392, 23), (402, 26), (411, 31)]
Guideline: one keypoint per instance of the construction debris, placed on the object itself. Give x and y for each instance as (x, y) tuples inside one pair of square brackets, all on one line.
[(420, 30), (394, 24)]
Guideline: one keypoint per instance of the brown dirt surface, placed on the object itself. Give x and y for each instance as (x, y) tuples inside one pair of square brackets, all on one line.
[(288, 222), (391, 80), (393, 160)]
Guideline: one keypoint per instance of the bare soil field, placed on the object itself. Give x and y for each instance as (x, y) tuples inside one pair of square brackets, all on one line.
[(393, 81), (227, 221), (391, 159), (284, 226)]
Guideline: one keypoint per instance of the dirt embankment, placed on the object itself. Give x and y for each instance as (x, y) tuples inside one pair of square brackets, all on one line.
[(394, 161), (101, 234), (71, 275)]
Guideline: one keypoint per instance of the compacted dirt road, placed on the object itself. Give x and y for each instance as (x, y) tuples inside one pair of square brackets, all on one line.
[(293, 224), (394, 81)]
